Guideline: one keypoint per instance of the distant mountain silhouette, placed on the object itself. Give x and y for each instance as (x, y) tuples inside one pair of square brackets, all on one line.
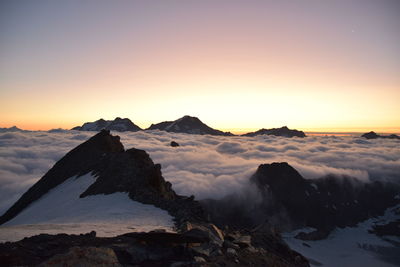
[(120, 125), (187, 124), (283, 131), (11, 129), (373, 135)]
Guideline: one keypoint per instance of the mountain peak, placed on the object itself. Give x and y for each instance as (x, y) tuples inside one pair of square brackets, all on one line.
[(187, 124), (283, 131), (118, 124), (373, 135)]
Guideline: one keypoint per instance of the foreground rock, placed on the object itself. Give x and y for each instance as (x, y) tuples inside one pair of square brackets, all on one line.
[(373, 135), (119, 125), (151, 249), (189, 125), (283, 131)]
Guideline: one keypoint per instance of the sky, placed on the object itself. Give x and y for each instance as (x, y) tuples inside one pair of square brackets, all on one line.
[(237, 65)]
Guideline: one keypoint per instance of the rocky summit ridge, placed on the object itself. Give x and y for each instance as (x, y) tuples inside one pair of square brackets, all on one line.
[(283, 131), (373, 135)]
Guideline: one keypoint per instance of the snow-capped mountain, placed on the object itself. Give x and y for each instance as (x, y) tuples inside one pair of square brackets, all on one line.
[(187, 124), (283, 131), (120, 125)]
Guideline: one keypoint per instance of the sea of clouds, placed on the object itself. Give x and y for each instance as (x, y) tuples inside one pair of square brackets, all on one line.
[(204, 166)]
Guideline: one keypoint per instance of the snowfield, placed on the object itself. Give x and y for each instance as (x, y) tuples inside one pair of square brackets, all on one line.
[(350, 246), (62, 211)]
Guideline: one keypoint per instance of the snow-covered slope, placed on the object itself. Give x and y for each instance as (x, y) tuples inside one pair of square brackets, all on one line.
[(350, 246), (62, 210)]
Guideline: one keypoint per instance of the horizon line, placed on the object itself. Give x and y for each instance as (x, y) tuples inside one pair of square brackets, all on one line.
[(240, 131)]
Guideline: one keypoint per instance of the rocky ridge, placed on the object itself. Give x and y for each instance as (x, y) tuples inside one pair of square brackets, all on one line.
[(373, 135), (283, 131)]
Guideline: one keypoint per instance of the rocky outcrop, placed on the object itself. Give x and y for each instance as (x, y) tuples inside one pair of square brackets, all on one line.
[(288, 201), (117, 170), (187, 124), (373, 135), (119, 125), (199, 246), (174, 144), (323, 203), (283, 131)]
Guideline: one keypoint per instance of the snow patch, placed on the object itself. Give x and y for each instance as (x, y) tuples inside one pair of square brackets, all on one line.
[(62, 210), (345, 247)]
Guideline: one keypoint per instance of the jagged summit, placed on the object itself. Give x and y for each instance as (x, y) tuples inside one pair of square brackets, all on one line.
[(120, 125), (114, 169), (283, 131), (187, 124)]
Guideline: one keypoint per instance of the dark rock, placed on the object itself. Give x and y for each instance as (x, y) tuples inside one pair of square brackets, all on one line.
[(187, 124), (388, 229), (231, 252), (229, 244), (322, 203), (201, 235), (174, 144), (370, 135), (283, 131), (373, 135)]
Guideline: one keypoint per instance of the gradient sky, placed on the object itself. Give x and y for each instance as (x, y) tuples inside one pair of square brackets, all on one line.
[(237, 65)]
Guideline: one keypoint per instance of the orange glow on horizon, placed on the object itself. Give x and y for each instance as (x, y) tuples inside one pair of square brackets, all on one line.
[(320, 66)]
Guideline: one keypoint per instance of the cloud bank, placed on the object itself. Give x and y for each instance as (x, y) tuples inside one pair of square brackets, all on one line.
[(204, 166)]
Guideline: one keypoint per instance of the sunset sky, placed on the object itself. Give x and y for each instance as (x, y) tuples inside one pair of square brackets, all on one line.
[(313, 65)]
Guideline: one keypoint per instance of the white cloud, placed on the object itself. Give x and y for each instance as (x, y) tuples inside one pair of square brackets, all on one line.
[(205, 166)]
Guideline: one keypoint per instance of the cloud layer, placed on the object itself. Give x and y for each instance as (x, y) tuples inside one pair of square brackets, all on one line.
[(205, 166)]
